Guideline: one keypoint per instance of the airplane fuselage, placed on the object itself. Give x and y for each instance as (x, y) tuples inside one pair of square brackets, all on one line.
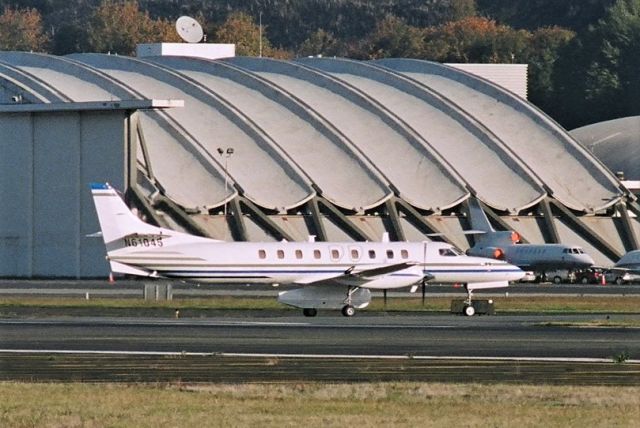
[(545, 257), (304, 262)]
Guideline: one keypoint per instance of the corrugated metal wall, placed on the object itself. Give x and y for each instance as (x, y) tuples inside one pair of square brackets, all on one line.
[(47, 160), (512, 77)]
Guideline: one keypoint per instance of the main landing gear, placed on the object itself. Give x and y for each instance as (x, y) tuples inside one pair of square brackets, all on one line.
[(332, 298), (468, 310), (348, 310), (310, 312), (470, 307)]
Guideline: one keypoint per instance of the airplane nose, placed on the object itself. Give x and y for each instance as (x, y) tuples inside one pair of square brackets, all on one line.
[(587, 260)]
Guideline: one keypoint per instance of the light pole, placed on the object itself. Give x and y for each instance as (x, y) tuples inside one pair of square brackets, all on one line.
[(226, 153), (260, 35)]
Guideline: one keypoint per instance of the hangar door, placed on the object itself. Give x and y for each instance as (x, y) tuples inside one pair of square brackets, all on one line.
[(47, 160)]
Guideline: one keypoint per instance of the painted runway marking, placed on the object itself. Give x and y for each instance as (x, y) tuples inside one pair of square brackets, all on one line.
[(315, 356), (207, 323)]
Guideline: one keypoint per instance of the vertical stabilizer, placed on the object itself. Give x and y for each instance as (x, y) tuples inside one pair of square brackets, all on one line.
[(116, 219), (477, 216)]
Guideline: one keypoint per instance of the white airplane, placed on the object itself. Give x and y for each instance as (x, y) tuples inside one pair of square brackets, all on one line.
[(627, 269), (540, 258), (503, 245), (333, 275)]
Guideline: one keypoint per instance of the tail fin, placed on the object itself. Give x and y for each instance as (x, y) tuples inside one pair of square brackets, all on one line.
[(116, 219), (478, 217)]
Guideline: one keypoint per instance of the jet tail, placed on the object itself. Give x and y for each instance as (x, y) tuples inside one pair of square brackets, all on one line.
[(116, 219), (478, 217)]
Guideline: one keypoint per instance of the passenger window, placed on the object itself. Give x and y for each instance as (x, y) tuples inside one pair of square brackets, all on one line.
[(281, 254), (262, 254), (298, 254), (335, 254), (316, 254), (389, 254), (404, 254), (372, 254), (355, 254)]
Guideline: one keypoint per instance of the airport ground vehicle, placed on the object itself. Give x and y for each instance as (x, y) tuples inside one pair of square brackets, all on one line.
[(620, 276), (560, 276), (589, 276)]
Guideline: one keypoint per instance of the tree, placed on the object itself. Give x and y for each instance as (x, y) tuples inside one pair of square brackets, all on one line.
[(21, 30), (575, 15), (597, 75), (393, 38), (475, 39), (118, 26), (320, 43), (460, 9), (545, 46), (239, 28)]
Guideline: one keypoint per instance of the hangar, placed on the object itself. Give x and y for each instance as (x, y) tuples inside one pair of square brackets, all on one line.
[(616, 143), (261, 149)]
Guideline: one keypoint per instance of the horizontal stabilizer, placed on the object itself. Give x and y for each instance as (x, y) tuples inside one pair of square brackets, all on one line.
[(118, 267), (474, 232)]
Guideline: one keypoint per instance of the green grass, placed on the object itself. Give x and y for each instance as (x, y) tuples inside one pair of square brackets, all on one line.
[(316, 404), (544, 304)]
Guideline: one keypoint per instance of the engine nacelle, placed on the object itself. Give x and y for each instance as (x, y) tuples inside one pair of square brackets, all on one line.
[(324, 297), (486, 285), (489, 252)]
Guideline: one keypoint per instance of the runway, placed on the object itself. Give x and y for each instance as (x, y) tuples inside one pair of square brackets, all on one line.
[(436, 335), (329, 347), (135, 289)]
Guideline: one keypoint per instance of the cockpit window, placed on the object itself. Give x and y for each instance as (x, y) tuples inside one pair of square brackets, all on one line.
[(575, 250), (448, 252)]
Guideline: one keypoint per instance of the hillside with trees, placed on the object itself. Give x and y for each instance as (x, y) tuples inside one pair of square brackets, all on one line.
[(582, 54)]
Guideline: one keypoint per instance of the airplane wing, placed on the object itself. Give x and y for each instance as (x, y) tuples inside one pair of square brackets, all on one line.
[(359, 276)]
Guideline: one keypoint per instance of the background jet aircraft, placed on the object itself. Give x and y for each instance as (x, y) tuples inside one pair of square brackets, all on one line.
[(332, 275), (627, 269), (503, 245)]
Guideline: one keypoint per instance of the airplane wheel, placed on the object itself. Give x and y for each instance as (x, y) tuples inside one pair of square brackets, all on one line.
[(348, 311), (310, 312), (557, 280), (469, 310)]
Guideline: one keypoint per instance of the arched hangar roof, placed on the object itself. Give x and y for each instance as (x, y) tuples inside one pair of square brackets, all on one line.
[(356, 133), (568, 171), (615, 142)]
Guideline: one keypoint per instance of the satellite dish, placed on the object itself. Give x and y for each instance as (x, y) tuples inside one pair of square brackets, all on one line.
[(189, 29)]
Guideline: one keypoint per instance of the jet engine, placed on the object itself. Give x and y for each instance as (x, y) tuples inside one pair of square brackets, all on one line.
[(489, 252)]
